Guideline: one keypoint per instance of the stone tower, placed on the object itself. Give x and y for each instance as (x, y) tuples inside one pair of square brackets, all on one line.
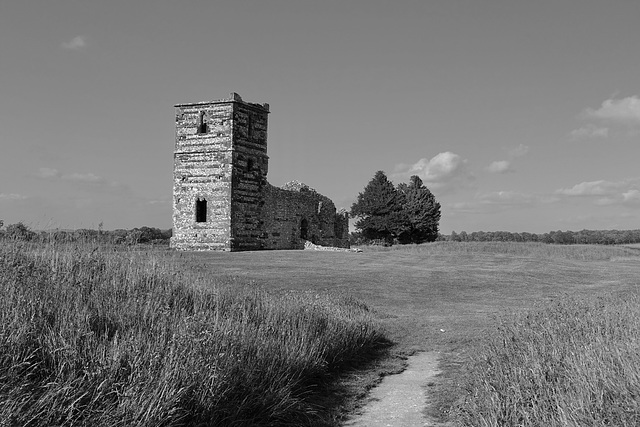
[(220, 167), (221, 197)]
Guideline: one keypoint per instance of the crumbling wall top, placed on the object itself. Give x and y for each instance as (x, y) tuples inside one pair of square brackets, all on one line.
[(233, 97), (298, 186)]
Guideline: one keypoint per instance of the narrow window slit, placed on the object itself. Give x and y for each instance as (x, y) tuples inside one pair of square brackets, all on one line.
[(201, 210), (202, 124)]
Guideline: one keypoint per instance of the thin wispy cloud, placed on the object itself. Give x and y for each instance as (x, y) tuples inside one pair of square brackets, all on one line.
[(83, 177), (500, 166), (499, 201), (507, 198), (589, 188), (76, 43), (47, 173), (86, 181), (589, 131), (519, 151), (506, 166), (11, 197)]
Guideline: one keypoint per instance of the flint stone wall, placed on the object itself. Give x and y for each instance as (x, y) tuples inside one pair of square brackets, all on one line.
[(221, 158), (284, 211)]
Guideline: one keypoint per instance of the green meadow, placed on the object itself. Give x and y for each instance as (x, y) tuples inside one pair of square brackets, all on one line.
[(528, 333)]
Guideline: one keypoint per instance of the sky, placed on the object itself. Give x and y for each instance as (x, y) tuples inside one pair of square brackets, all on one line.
[(517, 115)]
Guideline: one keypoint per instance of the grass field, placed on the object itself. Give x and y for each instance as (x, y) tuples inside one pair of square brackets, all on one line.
[(93, 335), (417, 291), (461, 299), (449, 297)]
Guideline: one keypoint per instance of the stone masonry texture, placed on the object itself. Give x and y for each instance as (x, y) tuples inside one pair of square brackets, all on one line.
[(221, 197)]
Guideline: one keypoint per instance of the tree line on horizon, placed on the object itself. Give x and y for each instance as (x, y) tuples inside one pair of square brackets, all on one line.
[(587, 237), (20, 231), (382, 222)]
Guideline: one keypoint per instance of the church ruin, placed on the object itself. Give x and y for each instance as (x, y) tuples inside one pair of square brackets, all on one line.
[(221, 197)]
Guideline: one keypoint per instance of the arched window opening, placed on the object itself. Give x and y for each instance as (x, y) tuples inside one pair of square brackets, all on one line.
[(304, 229), (201, 210), (250, 165), (202, 124)]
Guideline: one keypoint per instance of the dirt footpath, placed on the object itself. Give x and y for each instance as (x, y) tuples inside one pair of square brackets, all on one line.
[(400, 400)]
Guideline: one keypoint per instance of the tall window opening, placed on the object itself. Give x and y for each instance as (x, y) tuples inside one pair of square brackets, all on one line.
[(249, 126), (202, 124), (201, 210), (304, 229)]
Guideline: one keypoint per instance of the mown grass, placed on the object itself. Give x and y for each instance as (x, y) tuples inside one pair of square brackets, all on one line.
[(93, 336), (575, 362), (444, 296), (523, 249)]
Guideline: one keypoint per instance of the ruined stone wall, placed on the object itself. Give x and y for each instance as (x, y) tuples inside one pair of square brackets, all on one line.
[(221, 197), (297, 213)]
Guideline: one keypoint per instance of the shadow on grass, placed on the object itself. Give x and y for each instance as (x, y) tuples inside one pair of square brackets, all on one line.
[(345, 392)]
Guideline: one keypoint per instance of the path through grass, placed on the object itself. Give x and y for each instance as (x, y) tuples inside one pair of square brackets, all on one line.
[(442, 296), (93, 336)]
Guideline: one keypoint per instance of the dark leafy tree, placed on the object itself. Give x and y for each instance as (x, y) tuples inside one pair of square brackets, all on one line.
[(421, 213), (407, 214), (379, 209)]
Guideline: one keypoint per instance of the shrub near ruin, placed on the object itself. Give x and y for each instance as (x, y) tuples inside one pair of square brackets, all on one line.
[(93, 337)]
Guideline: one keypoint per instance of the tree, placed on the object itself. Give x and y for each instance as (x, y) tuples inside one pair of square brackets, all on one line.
[(379, 210), (421, 212), (408, 214)]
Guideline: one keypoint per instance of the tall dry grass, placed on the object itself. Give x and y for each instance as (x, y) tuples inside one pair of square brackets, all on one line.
[(94, 336), (575, 362)]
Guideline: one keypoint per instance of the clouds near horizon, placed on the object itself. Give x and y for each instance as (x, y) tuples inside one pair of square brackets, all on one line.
[(64, 198), (623, 193), (603, 192), (87, 181)]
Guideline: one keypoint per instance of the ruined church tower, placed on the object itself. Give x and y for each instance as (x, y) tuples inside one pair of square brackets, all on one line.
[(221, 197), (220, 165)]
